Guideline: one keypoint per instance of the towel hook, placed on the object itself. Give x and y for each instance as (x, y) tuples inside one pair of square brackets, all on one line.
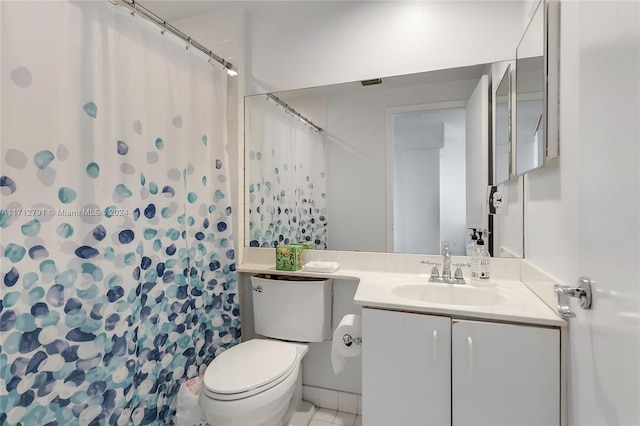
[(582, 292)]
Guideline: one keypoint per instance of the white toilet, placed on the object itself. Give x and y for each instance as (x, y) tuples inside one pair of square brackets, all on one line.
[(259, 382)]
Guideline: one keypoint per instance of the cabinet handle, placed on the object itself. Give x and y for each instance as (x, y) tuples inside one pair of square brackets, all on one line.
[(435, 345), (469, 354)]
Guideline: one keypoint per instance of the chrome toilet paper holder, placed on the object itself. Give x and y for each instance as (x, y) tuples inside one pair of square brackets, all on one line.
[(348, 340)]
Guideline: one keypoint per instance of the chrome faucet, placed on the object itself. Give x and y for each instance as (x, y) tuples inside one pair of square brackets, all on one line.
[(446, 269), (446, 263)]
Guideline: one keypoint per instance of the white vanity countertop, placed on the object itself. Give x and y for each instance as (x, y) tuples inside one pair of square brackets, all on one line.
[(375, 291), (521, 305)]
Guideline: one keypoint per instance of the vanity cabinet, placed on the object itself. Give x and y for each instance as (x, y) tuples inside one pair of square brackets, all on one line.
[(421, 369), (406, 368)]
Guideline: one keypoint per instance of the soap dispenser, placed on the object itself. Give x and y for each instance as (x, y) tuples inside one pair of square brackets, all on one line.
[(473, 244), (480, 261)]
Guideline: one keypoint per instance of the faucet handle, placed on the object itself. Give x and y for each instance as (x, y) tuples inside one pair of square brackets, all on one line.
[(458, 274), (435, 274)]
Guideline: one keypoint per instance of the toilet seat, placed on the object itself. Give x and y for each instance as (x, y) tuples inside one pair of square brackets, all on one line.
[(248, 369)]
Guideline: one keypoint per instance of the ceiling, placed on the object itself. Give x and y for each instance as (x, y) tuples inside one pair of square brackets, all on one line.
[(173, 10)]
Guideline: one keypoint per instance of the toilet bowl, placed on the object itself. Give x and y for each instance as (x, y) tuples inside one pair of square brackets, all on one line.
[(253, 383)]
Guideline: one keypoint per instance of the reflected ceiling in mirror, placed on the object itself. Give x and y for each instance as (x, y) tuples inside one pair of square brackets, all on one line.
[(331, 188)]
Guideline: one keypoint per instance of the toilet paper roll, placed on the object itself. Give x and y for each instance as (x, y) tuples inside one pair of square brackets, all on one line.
[(350, 325)]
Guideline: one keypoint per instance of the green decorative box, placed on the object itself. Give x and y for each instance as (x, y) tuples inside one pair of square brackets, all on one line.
[(305, 244), (289, 257)]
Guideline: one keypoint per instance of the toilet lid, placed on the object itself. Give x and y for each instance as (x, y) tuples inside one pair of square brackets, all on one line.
[(249, 365)]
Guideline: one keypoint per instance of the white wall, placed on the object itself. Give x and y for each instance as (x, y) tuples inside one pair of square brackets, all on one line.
[(453, 181), (582, 210), (416, 197), (356, 153), (315, 43)]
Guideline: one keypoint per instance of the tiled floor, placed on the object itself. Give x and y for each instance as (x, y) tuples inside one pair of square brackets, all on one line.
[(326, 417)]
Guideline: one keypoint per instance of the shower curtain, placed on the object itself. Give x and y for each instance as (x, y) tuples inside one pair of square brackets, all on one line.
[(286, 169), (118, 271)]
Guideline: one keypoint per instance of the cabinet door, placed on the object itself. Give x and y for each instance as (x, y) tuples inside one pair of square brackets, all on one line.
[(504, 374), (406, 369)]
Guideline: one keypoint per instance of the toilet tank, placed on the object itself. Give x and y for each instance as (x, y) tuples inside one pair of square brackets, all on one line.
[(292, 308)]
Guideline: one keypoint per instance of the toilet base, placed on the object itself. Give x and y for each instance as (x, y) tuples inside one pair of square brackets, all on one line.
[(299, 412), (302, 415)]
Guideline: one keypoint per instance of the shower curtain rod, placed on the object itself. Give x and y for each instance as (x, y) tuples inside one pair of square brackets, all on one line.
[(165, 26), (294, 112)]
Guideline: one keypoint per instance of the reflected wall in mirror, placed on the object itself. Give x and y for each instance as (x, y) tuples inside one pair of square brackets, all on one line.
[(427, 180), (502, 133), (536, 136), (343, 196)]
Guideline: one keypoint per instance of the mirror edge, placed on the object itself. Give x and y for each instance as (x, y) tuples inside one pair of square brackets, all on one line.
[(552, 77)]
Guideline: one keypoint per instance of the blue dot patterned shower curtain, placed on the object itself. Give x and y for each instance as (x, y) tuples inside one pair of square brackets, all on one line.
[(117, 261)]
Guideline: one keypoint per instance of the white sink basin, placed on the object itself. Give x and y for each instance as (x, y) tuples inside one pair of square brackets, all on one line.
[(450, 294)]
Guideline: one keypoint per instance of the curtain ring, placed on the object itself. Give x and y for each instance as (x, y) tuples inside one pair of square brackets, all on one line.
[(188, 42), (164, 29)]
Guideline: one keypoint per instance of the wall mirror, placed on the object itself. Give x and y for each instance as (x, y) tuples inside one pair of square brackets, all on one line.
[(502, 131), (536, 90), (405, 138)]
